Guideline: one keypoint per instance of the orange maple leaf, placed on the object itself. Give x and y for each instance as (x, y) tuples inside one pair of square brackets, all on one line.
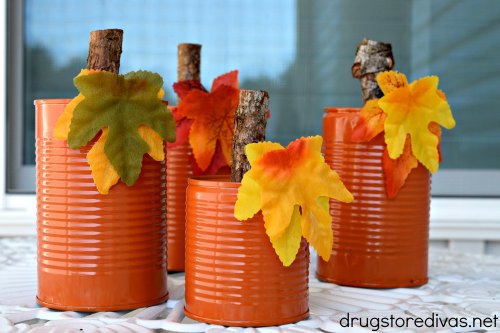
[(213, 119), (370, 122), (436, 129), (396, 171)]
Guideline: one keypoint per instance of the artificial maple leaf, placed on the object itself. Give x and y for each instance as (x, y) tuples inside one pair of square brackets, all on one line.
[(436, 130), (370, 122), (182, 88), (121, 103), (229, 79), (315, 230), (217, 166), (183, 124), (213, 122), (182, 128), (372, 117), (61, 129), (281, 179), (154, 141), (389, 81), (103, 173), (410, 109), (219, 160), (396, 171), (287, 245)]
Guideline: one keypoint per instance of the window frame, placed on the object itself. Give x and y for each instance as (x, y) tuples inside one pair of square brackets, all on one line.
[(19, 181), (464, 217), (17, 211)]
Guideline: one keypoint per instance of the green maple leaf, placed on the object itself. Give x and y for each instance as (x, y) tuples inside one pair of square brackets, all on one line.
[(121, 103)]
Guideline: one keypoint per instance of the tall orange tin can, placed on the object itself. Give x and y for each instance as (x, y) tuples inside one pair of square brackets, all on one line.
[(95, 252), (233, 275), (378, 242), (178, 170)]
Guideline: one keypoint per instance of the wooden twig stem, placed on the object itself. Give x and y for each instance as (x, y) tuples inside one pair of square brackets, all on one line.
[(249, 127), (105, 49), (371, 58), (188, 62)]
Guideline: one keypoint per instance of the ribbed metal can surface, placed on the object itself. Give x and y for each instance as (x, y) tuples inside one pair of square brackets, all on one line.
[(233, 275), (378, 242), (95, 252), (178, 170)]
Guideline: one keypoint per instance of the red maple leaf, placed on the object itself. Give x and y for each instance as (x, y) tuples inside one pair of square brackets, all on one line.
[(211, 122)]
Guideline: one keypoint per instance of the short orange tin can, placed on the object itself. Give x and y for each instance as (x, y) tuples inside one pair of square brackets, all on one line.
[(233, 275)]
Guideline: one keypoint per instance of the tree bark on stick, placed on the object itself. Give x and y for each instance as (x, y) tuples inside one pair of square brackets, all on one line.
[(249, 127), (105, 49), (188, 62), (371, 58)]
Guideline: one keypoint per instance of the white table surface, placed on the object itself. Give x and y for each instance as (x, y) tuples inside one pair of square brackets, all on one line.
[(460, 285)]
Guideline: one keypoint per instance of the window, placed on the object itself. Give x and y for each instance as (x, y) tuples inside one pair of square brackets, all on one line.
[(300, 51)]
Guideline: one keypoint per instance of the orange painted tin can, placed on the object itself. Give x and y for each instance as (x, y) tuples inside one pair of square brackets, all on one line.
[(378, 242), (95, 252), (178, 170), (233, 275)]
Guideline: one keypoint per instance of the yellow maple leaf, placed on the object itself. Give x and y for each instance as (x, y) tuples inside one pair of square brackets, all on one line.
[(289, 185), (103, 172), (410, 109), (61, 129), (372, 117), (389, 81), (287, 246), (316, 224), (154, 141), (105, 176)]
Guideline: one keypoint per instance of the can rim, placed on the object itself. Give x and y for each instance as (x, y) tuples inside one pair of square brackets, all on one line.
[(51, 101), (45, 101), (217, 181)]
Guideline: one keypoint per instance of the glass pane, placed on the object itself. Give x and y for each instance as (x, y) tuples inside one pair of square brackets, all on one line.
[(234, 35), (300, 51), (458, 40)]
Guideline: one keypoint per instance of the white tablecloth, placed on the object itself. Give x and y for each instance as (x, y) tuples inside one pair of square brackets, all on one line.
[(461, 286)]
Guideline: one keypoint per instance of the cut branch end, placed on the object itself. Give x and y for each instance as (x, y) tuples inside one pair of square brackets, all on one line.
[(105, 49), (188, 62), (250, 127), (371, 58)]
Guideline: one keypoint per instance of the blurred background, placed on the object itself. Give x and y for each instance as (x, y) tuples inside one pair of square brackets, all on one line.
[(300, 51)]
